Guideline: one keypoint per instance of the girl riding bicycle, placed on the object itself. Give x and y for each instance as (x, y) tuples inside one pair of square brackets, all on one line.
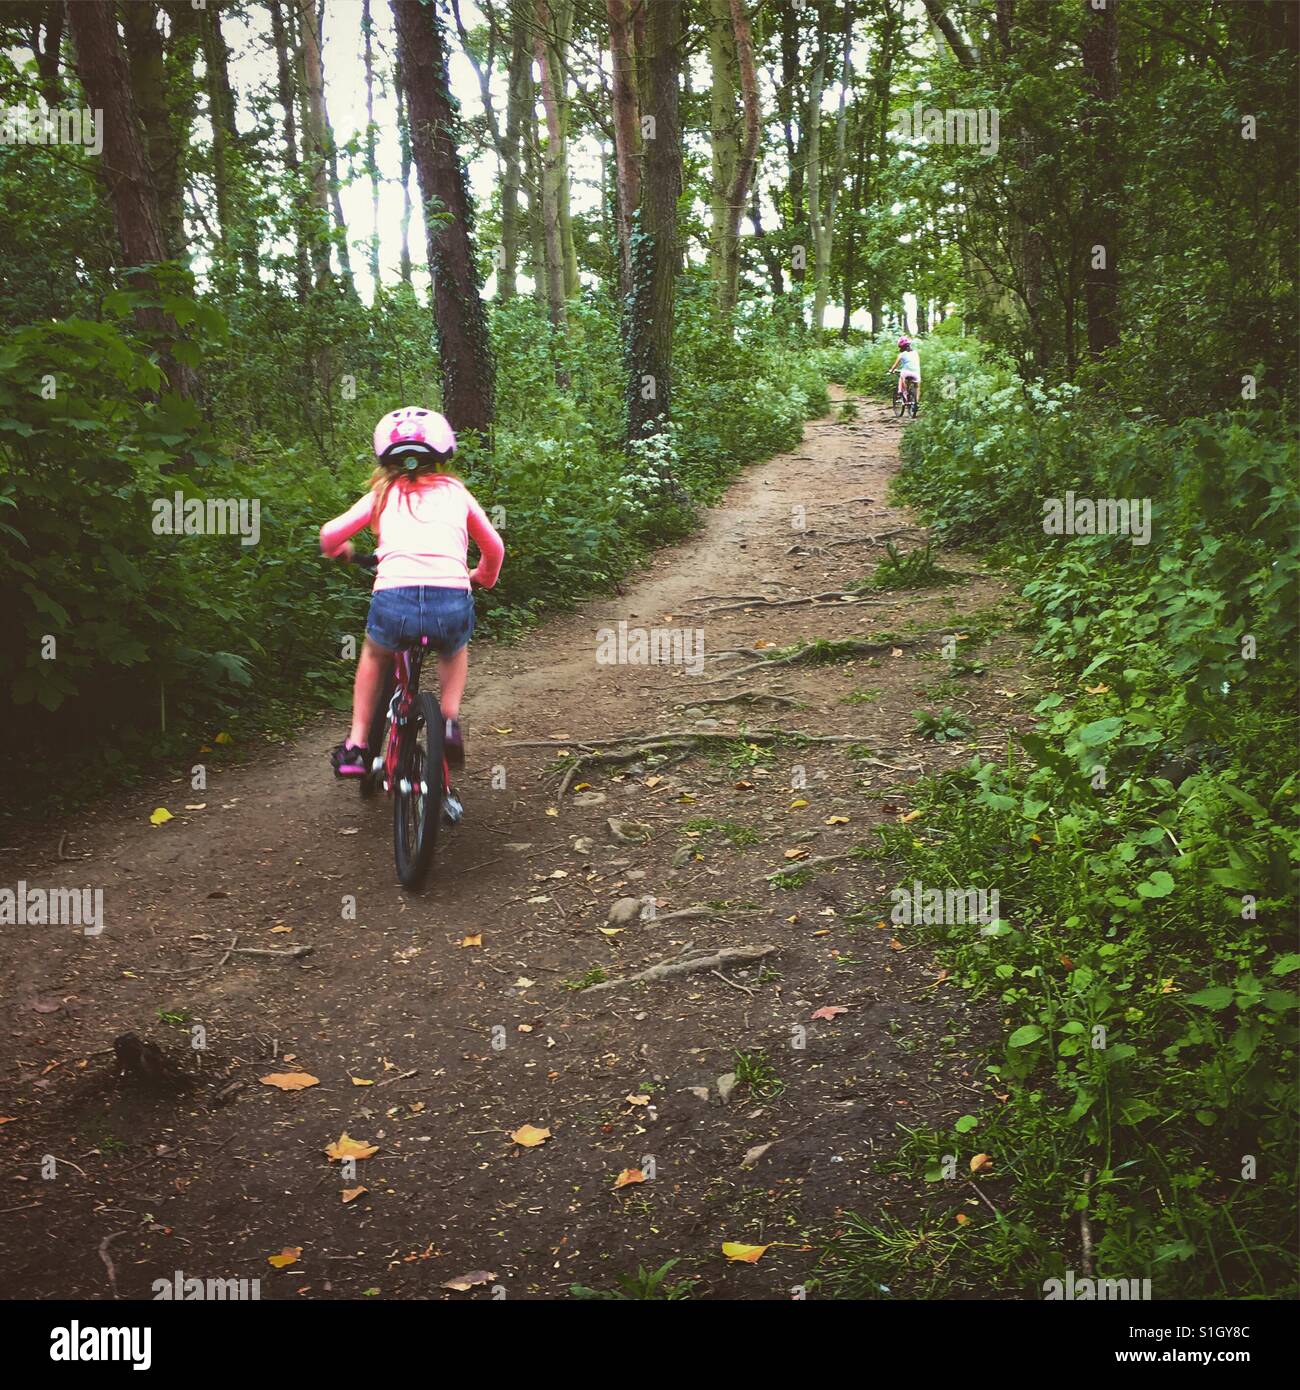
[(908, 366), (423, 518)]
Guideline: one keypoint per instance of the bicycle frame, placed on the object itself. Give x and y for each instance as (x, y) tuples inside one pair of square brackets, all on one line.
[(406, 666)]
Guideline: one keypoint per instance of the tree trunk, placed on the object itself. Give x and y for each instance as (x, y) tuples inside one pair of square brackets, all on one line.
[(787, 105), (552, 174), (404, 140), (149, 90), (516, 111), (1101, 75), (464, 352), (648, 324), (822, 267), (315, 140), (724, 141), (813, 144), (372, 162), (738, 192), (221, 117), (102, 70), (627, 135), (771, 261), (554, 22), (49, 22), (280, 37)]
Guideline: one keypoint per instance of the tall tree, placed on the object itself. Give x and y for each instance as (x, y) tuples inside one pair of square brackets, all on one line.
[(517, 112), (553, 175), (404, 141), (281, 39), (822, 222), (102, 70), (627, 134), (1101, 79), (648, 324), (372, 133), (464, 352), (315, 138)]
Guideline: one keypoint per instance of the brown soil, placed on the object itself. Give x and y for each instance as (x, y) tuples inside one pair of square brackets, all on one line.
[(211, 1181)]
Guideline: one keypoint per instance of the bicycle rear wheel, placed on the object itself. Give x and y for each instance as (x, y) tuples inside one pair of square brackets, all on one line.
[(900, 403), (417, 797)]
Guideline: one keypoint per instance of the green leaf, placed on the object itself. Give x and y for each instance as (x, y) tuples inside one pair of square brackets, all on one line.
[(1022, 1037), (1216, 997), (1159, 885)]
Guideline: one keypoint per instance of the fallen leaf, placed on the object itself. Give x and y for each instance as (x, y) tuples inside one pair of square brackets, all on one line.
[(223, 738), (291, 1080), (829, 1011), (610, 931), (345, 1146), (582, 787), (753, 1155), (627, 1176), (837, 820), (637, 1100), (529, 1136), (160, 816), (895, 944), (196, 806), (1168, 986), (743, 786), (797, 803), (653, 781), (524, 1028), (1097, 689), (277, 931), (350, 1194), (980, 1161), (551, 811), (361, 1081), (750, 1254), (962, 1219), (523, 982), (464, 1282), (800, 853), (472, 940), (287, 1256), (909, 817)]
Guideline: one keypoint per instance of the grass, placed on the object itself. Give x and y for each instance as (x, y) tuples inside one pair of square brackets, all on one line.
[(755, 1071)]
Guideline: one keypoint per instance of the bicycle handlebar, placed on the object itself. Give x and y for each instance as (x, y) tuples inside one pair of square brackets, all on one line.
[(365, 561)]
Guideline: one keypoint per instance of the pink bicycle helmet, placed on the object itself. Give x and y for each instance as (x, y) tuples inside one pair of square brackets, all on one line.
[(413, 430), (904, 344)]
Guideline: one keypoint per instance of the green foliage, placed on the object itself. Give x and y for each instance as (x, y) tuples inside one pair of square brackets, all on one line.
[(1145, 845), (643, 1286)]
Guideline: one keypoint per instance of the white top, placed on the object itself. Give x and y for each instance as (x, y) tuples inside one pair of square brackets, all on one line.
[(910, 361)]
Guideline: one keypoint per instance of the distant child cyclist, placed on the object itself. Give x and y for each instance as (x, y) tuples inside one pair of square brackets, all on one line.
[(423, 519), (908, 366)]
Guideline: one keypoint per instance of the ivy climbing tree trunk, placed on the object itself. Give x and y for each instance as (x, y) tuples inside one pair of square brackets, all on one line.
[(648, 324), (464, 352), (1101, 76), (627, 134), (724, 141), (102, 70), (552, 178)]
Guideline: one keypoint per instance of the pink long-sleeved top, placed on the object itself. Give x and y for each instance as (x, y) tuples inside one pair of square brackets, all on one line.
[(424, 533)]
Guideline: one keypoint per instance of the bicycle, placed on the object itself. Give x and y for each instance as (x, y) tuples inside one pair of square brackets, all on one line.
[(904, 400), (406, 740)]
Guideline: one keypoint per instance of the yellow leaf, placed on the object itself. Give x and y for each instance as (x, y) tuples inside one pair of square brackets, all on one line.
[(582, 787), (291, 1080), (473, 940), (895, 944), (796, 804), (637, 1100), (750, 1254), (160, 817), (909, 817), (350, 1194), (837, 820), (1168, 986), (653, 781), (529, 1136), (962, 1219), (361, 1081), (502, 731), (980, 1161), (275, 931), (551, 811), (628, 1175), (1097, 689), (287, 1256), (800, 853), (345, 1146), (222, 738), (609, 931)]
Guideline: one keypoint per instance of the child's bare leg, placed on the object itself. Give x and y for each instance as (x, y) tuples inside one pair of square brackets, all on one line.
[(453, 671), (366, 689)]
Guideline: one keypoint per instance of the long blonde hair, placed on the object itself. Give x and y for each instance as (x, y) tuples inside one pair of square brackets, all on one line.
[(398, 471)]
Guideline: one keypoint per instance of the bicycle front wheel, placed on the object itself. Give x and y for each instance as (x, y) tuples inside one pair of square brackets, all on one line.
[(417, 797), (900, 404)]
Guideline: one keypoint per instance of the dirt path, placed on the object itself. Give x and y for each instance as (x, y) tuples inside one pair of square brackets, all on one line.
[(465, 1043)]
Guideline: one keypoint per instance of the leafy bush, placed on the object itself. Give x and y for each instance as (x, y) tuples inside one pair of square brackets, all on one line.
[(1144, 843)]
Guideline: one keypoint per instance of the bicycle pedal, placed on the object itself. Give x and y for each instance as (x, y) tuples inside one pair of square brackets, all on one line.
[(452, 809)]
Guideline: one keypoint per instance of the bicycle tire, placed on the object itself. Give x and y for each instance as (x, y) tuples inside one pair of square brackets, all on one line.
[(900, 404), (372, 781), (417, 810)]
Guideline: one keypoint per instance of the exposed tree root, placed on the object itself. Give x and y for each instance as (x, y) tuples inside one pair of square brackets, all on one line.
[(685, 964), (810, 652)]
